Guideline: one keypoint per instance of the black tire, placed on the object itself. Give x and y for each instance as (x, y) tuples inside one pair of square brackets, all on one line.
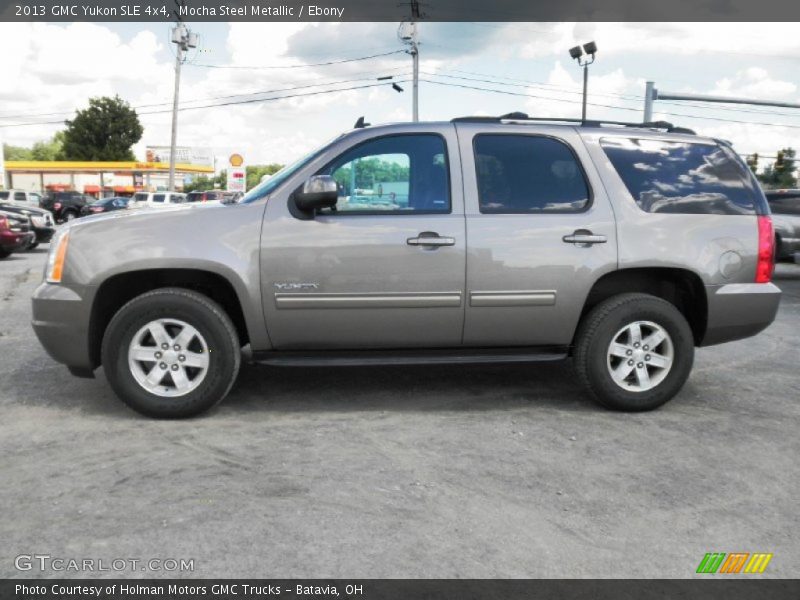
[(70, 215), (32, 246), (596, 332), (199, 311), (4, 253)]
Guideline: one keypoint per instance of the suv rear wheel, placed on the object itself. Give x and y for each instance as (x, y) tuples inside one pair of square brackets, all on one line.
[(171, 353), (634, 352)]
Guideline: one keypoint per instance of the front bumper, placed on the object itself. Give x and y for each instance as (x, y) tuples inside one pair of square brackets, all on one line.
[(61, 317), (15, 240), (739, 310), (44, 234)]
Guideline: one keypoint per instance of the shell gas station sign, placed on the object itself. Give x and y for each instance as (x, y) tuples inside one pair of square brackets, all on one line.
[(237, 174)]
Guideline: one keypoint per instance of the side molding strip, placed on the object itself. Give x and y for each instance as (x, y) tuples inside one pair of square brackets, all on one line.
[(513, 298), (371, 300)]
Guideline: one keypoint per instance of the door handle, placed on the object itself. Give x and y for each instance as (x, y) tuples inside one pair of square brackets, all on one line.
[(430, 238), (584, 237)]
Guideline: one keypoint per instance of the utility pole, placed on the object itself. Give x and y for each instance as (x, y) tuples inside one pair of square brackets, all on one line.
[(649, 96), (183, 39), (407, 33), (415, 91)]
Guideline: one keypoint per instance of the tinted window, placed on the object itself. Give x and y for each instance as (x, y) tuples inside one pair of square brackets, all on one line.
[(393, 174), (158, 197), (528, 174), (4, 195), (784, 203), (683, 177), (19, 196)]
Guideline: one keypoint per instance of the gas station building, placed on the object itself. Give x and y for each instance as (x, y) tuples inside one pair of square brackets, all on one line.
[(99, 179)]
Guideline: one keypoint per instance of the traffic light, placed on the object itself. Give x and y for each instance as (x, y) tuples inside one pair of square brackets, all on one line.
[(779, 161)]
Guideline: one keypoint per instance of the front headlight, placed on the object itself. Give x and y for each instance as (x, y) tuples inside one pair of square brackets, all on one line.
[(56, 258)]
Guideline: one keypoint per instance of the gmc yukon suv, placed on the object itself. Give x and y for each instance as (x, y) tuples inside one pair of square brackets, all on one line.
[(477, 240)]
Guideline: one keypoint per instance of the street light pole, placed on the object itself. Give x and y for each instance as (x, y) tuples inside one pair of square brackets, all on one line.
[(585, 90), (577, 53)]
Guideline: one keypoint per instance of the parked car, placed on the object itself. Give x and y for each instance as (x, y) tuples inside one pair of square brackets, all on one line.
[(15, 233), (29, 198), (41, 221), (104, 205), (485, 240), (65, 206), (785, 207), (156, 199), (205, 196)]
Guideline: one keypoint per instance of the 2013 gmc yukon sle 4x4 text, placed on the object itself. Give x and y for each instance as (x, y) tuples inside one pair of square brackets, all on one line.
[(482, 239)]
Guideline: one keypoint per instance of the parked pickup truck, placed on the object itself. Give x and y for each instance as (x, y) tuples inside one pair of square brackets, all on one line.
[(482, 239)]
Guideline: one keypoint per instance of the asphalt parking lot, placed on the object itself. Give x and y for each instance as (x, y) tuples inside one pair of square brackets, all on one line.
[(465, 471)]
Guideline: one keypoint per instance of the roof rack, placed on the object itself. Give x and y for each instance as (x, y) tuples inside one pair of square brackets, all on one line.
[(520, 116)]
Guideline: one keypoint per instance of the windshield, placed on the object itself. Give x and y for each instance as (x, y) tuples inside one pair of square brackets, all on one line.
[(268, 186)]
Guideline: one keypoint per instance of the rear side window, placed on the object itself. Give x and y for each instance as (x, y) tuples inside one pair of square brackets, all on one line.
[(683, 177), (158, 197), (783, 203), (528, 174)]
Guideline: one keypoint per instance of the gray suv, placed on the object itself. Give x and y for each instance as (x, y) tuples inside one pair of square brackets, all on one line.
[(502, 239)]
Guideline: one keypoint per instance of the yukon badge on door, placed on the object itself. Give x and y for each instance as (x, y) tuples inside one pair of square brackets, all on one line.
[(296, 286)]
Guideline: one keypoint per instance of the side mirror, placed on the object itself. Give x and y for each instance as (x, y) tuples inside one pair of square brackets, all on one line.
[(319, 191)]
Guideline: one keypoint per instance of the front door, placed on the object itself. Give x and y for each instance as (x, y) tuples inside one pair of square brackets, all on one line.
[(386, 267)]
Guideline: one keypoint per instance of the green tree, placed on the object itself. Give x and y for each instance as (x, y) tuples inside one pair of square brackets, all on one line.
[(105, 131), (49, 150), (16, 152), (256, 172), (203, 183)]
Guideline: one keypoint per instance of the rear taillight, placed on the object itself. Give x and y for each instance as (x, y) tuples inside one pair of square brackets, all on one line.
[(766, 250)]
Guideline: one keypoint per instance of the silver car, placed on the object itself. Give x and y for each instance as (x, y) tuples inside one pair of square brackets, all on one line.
[(482, 239)]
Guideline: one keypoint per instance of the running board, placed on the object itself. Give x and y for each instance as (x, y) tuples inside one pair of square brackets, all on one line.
[(346, 358)]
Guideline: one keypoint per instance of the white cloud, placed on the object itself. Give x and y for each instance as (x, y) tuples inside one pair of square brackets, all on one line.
[(56, 68)]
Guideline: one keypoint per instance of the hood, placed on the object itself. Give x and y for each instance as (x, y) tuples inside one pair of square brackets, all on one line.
[(147, 212), (22, 208)]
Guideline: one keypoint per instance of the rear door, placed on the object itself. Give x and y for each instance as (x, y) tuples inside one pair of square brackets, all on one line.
[(386, 268), (540, 231)]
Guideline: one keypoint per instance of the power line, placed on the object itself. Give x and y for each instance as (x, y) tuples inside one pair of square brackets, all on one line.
[(684, 115), (231, 103), (303, 66), (625, 97), (243, 94)]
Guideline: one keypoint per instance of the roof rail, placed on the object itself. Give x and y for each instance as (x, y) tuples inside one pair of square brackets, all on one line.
[(520, 116)]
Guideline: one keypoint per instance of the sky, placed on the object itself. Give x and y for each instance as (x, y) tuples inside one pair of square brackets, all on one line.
[(55, 68)]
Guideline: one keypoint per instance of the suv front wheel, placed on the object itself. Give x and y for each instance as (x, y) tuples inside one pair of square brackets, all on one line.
[(634, 352), (171, 353)]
